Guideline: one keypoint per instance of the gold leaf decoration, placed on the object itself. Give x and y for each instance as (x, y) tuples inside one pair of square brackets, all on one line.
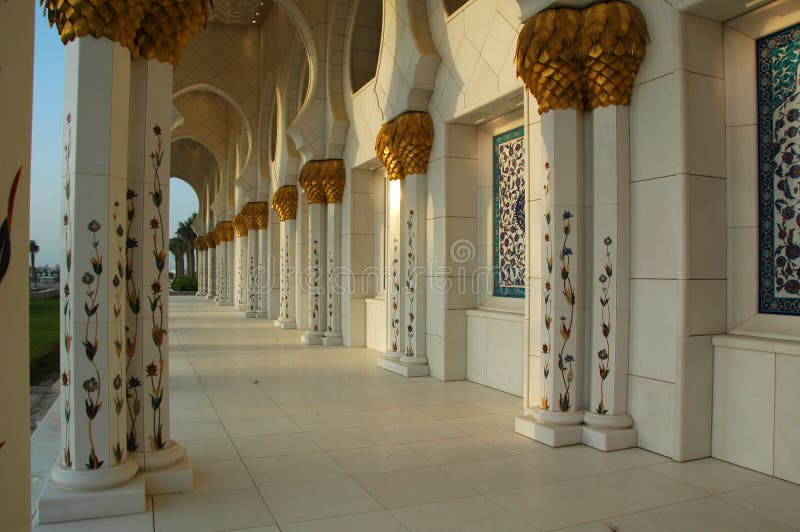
[(404, 145), (200, 243), (547, 59), (240, 224), (257, 214), (284, 201), (613, 43), (332, 174), (152, 29), (310, 181), (582, 59), (224, 232)]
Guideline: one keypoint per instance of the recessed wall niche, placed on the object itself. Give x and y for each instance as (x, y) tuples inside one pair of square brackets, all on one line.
[(365, 43), (451, 6)]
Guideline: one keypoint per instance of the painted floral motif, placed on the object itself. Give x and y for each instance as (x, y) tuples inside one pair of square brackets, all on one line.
[(5, 228), (133, 297), (251, 285), (509, 213), (778, 58), (395, 300), (411, 282), (66, 296), (155, 369), (285, 278), (565, 359), (91, 344), (330, 290), (315, 274), (547, 347), (119, 333), (604, 355)]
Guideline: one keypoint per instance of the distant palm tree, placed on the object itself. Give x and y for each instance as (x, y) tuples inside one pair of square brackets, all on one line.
[(186, 233), (34, 249), (178, 248)]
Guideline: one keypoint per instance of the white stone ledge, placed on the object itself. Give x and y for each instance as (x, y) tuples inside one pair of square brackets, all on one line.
[(753, 343)]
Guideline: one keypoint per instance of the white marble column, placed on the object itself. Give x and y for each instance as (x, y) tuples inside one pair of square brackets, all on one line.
[(240, 262), (301, 265), (220, 288), (201, 267), (316, 289), (286, 310), (93, 358), (16, 60), (230, 265), (149, 441), (607, 423), (255, 277), (415, 195), (211, 266), (557, 420), (396, 265), (333, 330)]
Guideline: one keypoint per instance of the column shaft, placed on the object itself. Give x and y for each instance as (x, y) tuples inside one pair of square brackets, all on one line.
[(254, 276), (414, 193), (211, 270), (286, 310), (333, 331), (317, 234)]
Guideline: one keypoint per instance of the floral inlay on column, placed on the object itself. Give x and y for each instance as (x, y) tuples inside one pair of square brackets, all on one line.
[(604, 354), (67, 305), (155, 371), (133, 296), (330, 292), (566, 360), (411, 282), (93, 385), (547, 347), (251, 286), (285, 278), (395, 295), (315, 285), (119, 304)]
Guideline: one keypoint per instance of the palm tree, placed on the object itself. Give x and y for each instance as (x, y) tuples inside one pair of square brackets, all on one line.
[(34, 249), (178, 248), (186, 233)]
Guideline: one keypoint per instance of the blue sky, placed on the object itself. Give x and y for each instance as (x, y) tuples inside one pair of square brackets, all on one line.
[(48, 112)]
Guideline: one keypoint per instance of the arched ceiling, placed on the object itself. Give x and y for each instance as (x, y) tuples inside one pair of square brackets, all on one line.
[(206, 117), (237, 11), (192, 162)]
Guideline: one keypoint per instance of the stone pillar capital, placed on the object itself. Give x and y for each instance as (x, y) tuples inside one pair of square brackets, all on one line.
[(284, 201), (404, 144)]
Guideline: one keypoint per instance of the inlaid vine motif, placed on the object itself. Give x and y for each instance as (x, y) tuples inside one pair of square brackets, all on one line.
[(411, 282), (395, 295), (547, 347), (285, 278), (240, 269), (314, 286), (5, 235), (605, 324), (566, 360), (93, 386), (221, 272), (133, 297), (66, 376), (330, 291), (119, 333), (155, 369), (251, 285)]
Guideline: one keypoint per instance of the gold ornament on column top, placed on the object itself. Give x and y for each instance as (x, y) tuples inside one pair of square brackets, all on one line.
[(199, 243), (153, 29), (240, 224), (224, 231), (404, 144), (333, 177), (284, 201), (211, 239), (257, 215), (311, 182), (582, 59)]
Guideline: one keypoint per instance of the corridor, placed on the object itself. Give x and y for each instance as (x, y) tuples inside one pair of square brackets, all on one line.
[(283, 436)]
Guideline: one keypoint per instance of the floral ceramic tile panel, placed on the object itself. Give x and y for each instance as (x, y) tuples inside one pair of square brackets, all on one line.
[(778, 57), (509, 214)]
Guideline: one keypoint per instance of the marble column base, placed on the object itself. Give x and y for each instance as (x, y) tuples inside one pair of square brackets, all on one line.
[(333, 339), (556, 429), (608, 433), (395, 365), (57, 504), (210, 296), (200, 294), (224, 303), (263, 315), (177, 478), (312, 339), (239, 308), (251, 314), (281, 324)]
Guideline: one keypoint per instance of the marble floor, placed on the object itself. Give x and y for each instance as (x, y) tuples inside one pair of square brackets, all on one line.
[(288, 437)]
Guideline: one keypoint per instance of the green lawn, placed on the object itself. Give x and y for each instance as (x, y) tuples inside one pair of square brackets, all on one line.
[(44, 315)]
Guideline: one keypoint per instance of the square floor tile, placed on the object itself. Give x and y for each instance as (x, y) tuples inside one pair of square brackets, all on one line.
[(407, 488), (260, 426), (213, 450), (713, 476), (370, 522), (476, 514), (211, 511), (216, 476), (275, 445), (712, 514), (317, 499), (274, 470), (778, 500), (380, 459), (126, 523)]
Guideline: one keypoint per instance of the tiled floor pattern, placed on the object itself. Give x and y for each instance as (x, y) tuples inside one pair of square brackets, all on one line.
[(288, 437)]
